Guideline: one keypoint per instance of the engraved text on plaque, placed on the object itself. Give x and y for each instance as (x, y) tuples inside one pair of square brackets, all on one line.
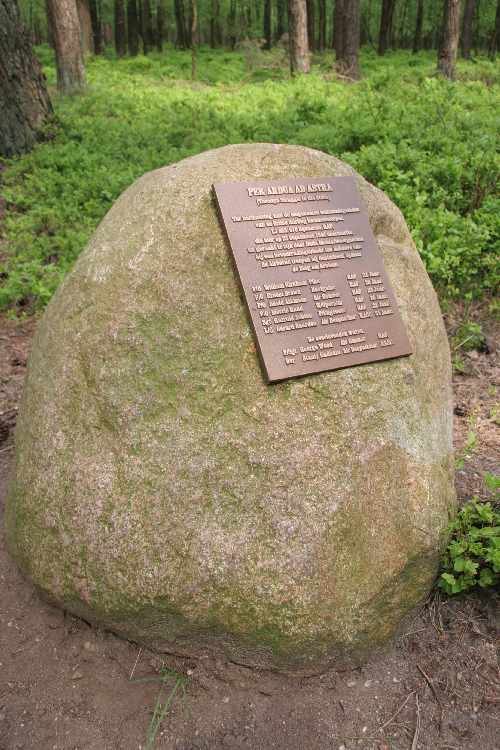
[(313, 277)]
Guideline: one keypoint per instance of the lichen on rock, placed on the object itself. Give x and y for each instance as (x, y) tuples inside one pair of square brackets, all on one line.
[(165, 491)]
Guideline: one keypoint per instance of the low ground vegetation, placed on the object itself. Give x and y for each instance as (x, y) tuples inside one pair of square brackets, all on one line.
[(430, 144)]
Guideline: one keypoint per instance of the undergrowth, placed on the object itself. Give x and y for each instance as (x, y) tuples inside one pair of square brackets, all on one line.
[(430, 144), (171, 684), (472, 557)]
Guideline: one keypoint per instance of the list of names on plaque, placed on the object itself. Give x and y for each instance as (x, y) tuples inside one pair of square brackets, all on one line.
[(313, 277)]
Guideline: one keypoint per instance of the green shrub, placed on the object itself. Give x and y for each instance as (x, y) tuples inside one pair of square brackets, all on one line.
[(472, 557), (430, 144), (468, 336)]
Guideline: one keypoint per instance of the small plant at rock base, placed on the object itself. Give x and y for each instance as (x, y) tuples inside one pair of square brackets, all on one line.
[(468, 336), (472, 557), (167, 678)]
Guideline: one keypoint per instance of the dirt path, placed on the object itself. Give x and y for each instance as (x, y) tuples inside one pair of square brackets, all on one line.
[(66, 686)]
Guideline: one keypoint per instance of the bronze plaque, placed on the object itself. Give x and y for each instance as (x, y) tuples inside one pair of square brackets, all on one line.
[(313, 277)]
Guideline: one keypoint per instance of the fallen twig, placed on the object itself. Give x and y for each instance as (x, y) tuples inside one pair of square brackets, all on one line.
[(417, 725), (136, 662), (397, 712), (430, 683)]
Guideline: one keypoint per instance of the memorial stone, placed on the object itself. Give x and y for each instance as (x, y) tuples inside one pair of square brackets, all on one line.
[(165, 490)]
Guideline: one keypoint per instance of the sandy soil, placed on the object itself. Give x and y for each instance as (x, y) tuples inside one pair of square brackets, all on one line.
[(67, 686)]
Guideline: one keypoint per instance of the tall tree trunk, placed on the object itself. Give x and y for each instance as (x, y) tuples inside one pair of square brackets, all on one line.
[(65, 28), (417, 39), (132, 28), (147, 27), (24, 102), (322, 25), (467, 28), (280, 19), (338, 31), (267, 24), (311, 24), (120, 41), (447, 53), (231, 22), (348, 62), (86, 35), (386, 19), (194, 37), (402, 26), (297, 30), (96, 26), (160, 25), (495, 37), (180, 22), (215, 29)]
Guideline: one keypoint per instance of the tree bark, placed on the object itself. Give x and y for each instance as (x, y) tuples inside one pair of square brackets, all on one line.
[(86, 36), (338, 30), (280, 19), (215, 28), (267, 24), (311, 24), (194, 37), (386, 19), (467, 28), (160, 25), (120, 41), (322, 26), (96, 26), (24, 102), (417, 39), (495, 37), (447, 53), (297, 30), (231, 22), (132, 28), (180, 22), (147, 27), (348, 63), (65, 28)]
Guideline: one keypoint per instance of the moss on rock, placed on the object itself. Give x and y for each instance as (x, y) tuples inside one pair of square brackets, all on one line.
[(163, 490)]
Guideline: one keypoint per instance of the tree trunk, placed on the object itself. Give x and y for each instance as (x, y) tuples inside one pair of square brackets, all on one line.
[(280, 20), (65, 28), (267, 24), (194, 37), (338, 30), (120, 41), (215, 29), (231, 22), (86, 36), (417, 39), (467, 28), (297, 30), (132, 28), (495, 37), (448, 47), (348, 63), (401, 34), (386, 18), (180, 22), (24, 101), (160, 25), (311, 24), (96, 26), (322, 25), (147, 27)]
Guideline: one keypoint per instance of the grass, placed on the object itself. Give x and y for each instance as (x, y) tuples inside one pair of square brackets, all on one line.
[(430, 144), (171, 684)]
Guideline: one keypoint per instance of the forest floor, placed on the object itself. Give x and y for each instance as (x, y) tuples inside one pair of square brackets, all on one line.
[(66, 686)]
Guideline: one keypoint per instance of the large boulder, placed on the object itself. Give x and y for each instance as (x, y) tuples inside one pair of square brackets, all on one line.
[(163, 490)]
